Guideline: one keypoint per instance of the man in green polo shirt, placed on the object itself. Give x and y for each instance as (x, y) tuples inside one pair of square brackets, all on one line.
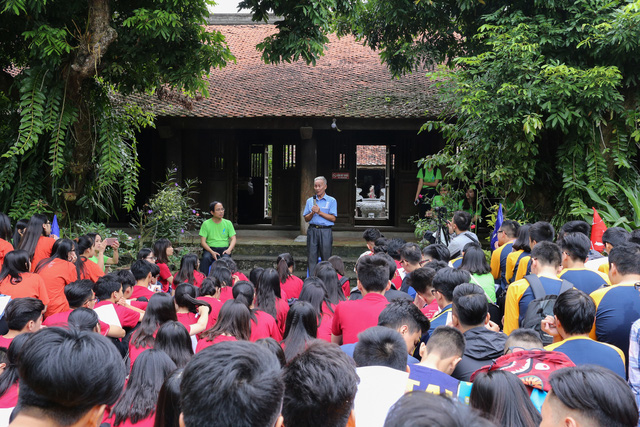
[(217, 237)]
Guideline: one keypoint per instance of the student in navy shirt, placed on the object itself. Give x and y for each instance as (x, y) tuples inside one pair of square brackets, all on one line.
[(574, 314), (575, 249)]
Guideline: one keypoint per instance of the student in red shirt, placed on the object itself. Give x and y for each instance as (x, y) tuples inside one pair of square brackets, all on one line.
[(80, 294), (187, 305), (109, 292), (174, 339), (23, 315), (9, 377), (17, 282), (270, 299), (221, 277), (263, 325), (210, 293), (86, 249), (234, 323), (137, 405), (290, 284), (5, 236), (301, 329), (315, 293), (58, 271), (162, 249), (188, 272), (141, 271), (353, 317), (329, 276), (338, 265), (36, 241)]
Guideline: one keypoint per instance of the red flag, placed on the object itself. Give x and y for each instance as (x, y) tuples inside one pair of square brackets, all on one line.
[(597, 228)]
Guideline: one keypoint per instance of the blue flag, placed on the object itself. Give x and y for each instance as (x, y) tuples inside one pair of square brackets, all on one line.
[(494, 233), (55, 228)]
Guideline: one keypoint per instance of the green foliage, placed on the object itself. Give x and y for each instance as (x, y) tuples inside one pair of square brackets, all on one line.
[(170, 212), (65, 136), (622, 209), (128, 249)]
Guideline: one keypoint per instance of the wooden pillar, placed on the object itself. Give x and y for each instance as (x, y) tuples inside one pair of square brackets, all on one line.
[(307, 161)]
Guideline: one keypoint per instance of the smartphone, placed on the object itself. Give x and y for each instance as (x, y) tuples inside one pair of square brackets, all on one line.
[(110, 241)]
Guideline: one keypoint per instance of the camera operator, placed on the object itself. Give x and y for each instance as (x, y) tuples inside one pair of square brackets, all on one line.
[(459, 225)]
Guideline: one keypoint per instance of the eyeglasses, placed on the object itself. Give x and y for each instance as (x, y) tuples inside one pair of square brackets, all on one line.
[(512, 349), (500, 231), (637, 286), (433, 291), (219, 209)]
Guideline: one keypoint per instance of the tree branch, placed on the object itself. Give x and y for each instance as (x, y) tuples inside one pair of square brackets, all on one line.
[(96, 41)]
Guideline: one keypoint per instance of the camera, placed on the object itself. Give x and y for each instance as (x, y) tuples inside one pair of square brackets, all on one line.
[(441, 211)]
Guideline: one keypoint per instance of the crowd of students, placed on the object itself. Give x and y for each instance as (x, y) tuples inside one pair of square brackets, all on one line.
[(536, 336)]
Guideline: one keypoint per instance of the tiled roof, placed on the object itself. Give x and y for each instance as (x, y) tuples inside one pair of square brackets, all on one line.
[(348, 81), (371, 155)]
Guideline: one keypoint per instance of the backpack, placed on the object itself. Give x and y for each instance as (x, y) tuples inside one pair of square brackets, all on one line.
[(541, 306)]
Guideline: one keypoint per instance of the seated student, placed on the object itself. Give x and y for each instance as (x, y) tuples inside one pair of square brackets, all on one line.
[(470, 316), (574, 314), (168, 408), (301, 329), (586, 396), (611, 238), (575, 247), (546, 258), (141, 271), (137, 405), (109, 292), (104, 260), (502, 398), (370, 236), (84, 319), (540, 231), (417, 408), (234, 383), (444, 282), (80, 294), (406, 319), (435, 252), (410, 257), (381, 366), (57, 271), (209, 293), (9, 378), (188, 272), (439, 358), (17, 282), (422, 281), (352, 317), (87, 248), (507, 234), (618, 306), (270, 298), (459, 225), (263, 325), (290, 284), (320, 387), (5, 237), (234, 324), (71, 368), (23, 315), (315, 293), (326, 272), (163, 249), (174, 339), (222, 279), (522, 340), (520, 249), (343, 280), (187, 306), (36, 239)]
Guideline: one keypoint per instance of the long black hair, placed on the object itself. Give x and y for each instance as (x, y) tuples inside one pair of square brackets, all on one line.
[(188, 264), (208, 287), (185, 296), (174, 339), (10, 374), (245, 293), (522, 241), (254, 275), (18, 231), (143, 254), (315, 293), (60, 250), (15, 263), (139, 399), (32, 234), (83, 319), (475, 261), (160, 309), (160, 250), (234, 319), (283, 262), (338, 264), (221, 276), (168, 409), (502, 398), (325, 272), (301, 328), (267, 291), (5, 227)]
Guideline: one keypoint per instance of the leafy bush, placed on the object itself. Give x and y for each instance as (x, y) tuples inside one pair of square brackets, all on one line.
[(128, 245), (169, 212)]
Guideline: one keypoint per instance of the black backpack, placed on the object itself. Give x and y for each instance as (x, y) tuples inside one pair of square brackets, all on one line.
[(541, 306)]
